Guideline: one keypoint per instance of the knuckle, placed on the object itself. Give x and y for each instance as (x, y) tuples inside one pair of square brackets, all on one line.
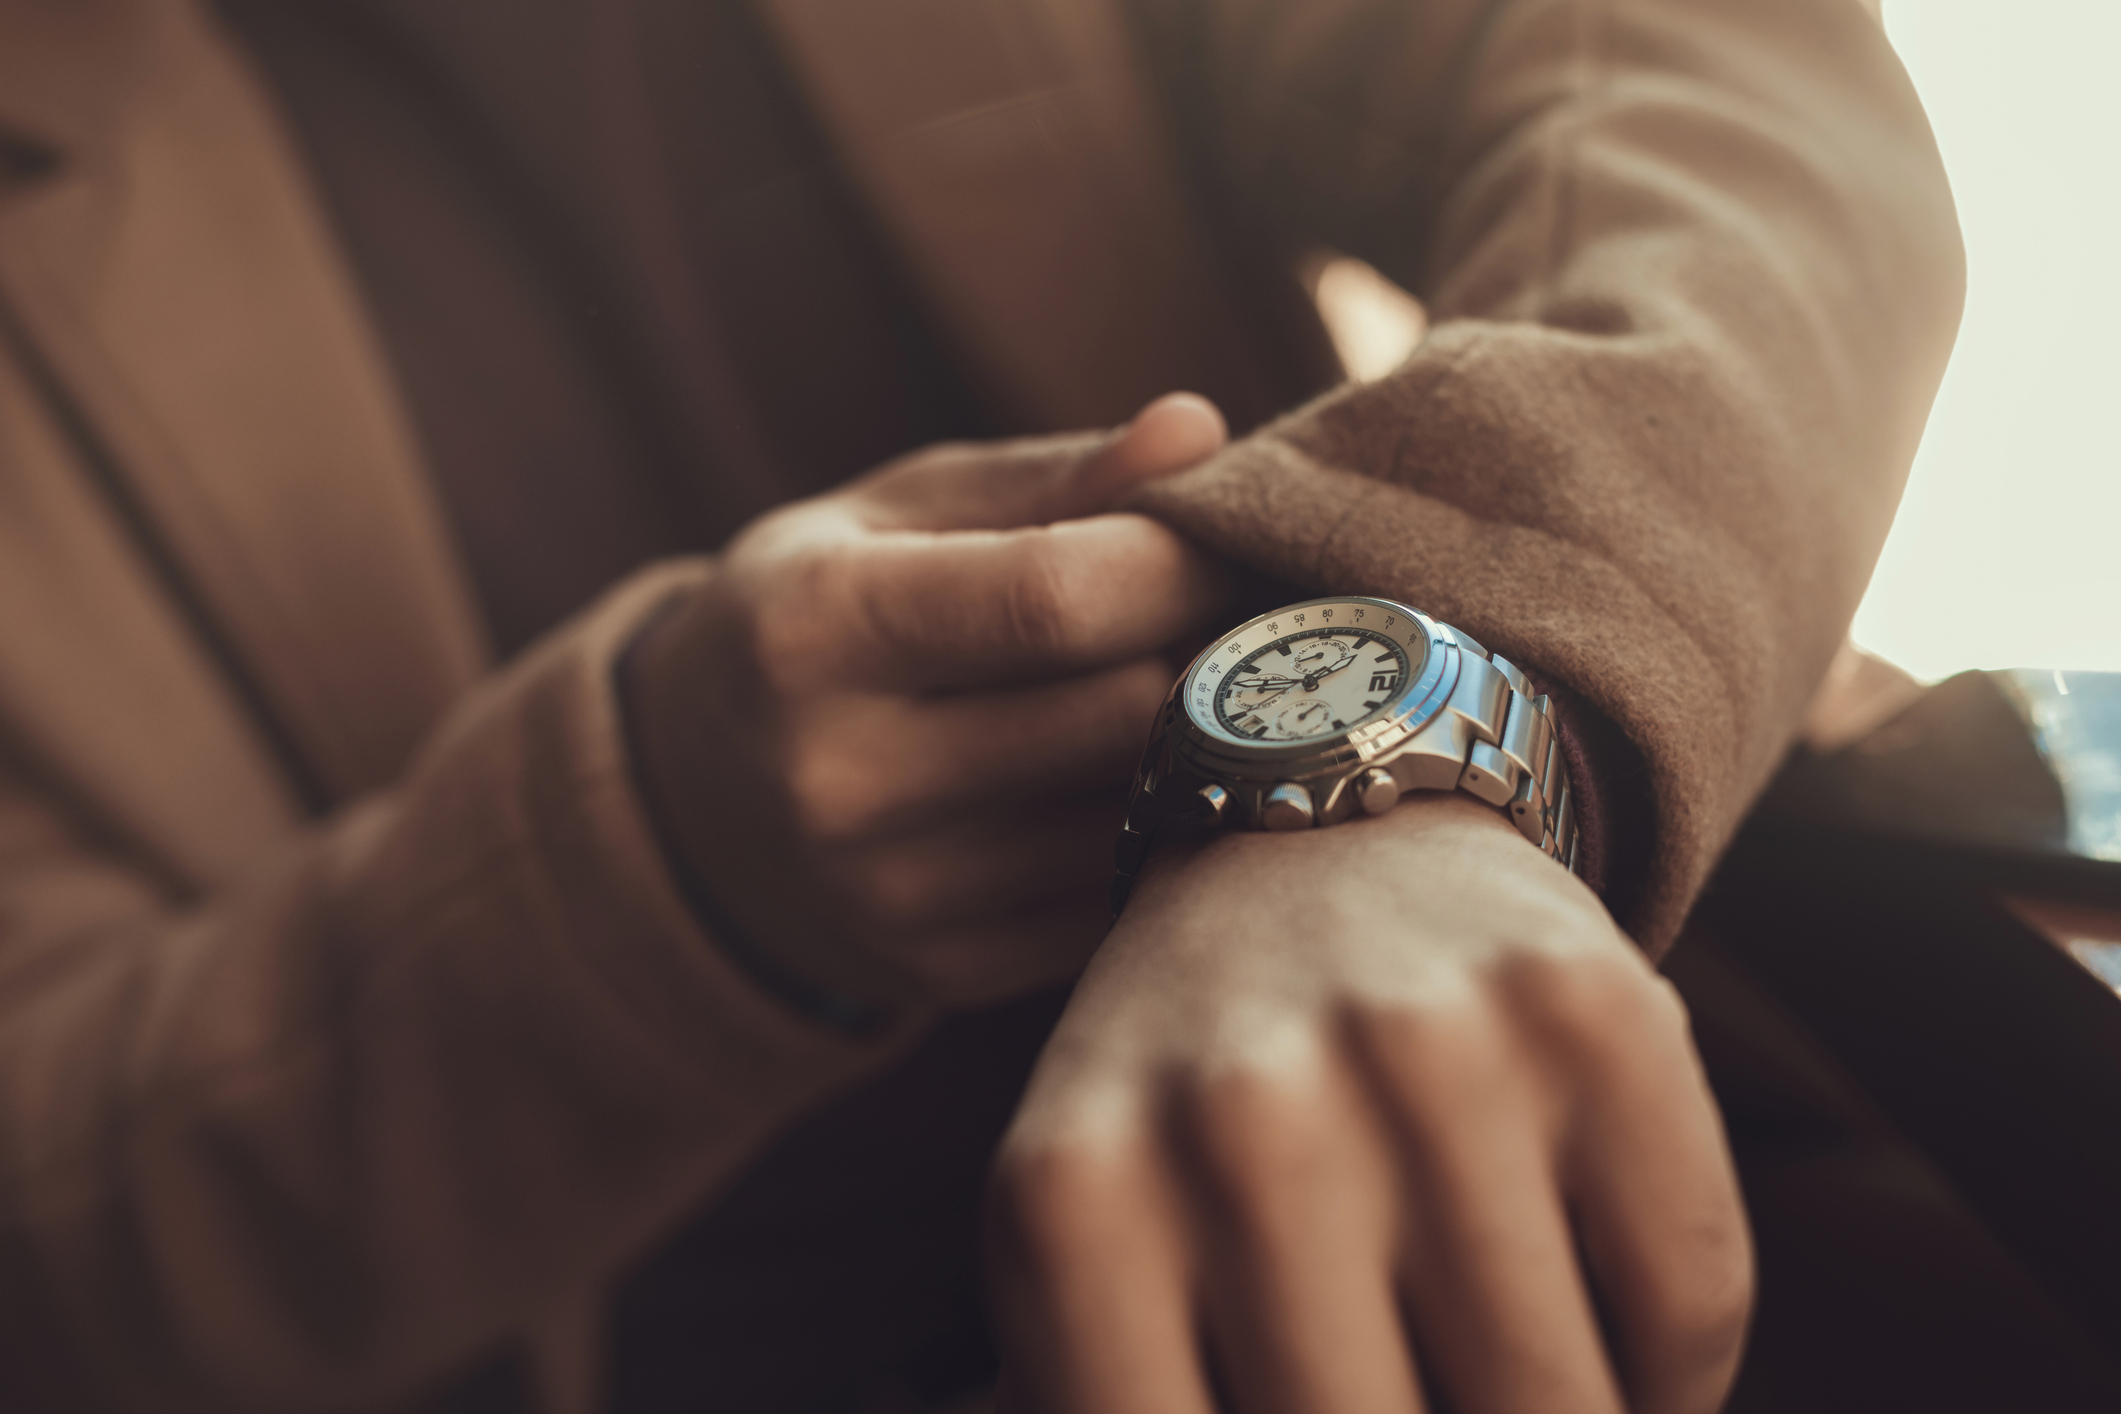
[(795, 612), (1452, 1042), (896, 892), (1709, 1307), (831, 797), (1043, 608), (818, 812), (1582, 996), (1045, 1198), (1274, 1149), (909, 470)]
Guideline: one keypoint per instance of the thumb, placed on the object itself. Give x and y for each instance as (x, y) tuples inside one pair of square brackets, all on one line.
[(1176, 431), (1040, 480)]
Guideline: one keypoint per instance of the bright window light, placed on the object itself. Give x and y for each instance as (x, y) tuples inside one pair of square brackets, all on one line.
[(2007, 551)]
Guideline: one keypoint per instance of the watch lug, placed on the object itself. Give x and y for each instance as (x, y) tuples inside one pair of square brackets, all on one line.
[(1489, 776), (1481, 697), (1434, 757)]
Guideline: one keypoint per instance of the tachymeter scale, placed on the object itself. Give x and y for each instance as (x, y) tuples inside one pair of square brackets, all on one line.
[(1305, 674)]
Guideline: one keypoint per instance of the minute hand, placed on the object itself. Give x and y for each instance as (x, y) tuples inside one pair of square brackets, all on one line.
[(1347, 656)]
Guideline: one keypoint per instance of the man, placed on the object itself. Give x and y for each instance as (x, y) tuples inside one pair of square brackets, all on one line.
[(394, 953)]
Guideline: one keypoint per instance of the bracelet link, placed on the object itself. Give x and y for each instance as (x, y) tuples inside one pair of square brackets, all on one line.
[(1488, 776), (1482, 698)]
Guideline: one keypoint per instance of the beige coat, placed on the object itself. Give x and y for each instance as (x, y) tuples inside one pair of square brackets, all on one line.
[(300, 1113)]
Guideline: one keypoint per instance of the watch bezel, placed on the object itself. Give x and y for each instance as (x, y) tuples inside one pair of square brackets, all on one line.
[(1428, 686)]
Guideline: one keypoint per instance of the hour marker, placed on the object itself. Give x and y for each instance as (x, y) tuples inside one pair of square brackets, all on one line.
[(1260, 730), (1387, 656), (1369, 706), (1339, 725), (1282, 648)]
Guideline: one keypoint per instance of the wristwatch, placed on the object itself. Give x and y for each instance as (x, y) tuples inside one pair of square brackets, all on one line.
[(1336, 707)]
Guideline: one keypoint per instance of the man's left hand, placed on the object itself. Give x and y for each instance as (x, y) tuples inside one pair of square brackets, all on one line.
[(1346, 1120)]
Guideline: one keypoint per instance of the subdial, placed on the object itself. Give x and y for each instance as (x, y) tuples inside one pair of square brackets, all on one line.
[(1304, 719), (1242, 695), (1319, 657)]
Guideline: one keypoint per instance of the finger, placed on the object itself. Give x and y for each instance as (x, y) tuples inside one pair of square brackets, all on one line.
[(1494, 1295), (1088, 1285), (1039, 480), (1299, 1227), (1661, 1221), (984, 608), (1176, 431), (882, 764)]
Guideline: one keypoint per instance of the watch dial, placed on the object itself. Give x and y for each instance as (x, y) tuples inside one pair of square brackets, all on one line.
[(1306, 673)]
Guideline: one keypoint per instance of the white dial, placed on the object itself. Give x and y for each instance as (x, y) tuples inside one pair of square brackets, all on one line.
[(1306, 673)]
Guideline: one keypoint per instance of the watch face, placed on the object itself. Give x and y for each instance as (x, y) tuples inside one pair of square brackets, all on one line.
[(1310, 672)]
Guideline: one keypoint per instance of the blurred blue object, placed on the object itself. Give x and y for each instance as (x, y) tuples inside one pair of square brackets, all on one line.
[(2075, 719)]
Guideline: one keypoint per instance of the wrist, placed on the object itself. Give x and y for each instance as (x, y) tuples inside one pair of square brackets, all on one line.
[(1235, 854)]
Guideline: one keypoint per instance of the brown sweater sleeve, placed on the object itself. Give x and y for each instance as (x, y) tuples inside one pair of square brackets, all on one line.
[(1693, 275), (432, 1065)]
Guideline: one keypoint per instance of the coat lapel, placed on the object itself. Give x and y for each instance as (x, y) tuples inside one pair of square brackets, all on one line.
[(174, 278), (1012, 153)]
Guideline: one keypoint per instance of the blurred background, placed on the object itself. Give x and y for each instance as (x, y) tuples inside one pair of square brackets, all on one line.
[(2007, 551)]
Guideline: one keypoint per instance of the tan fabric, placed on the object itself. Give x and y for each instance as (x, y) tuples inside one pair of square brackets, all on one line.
[(1692, 271), (298, 1114), (1694, 274)]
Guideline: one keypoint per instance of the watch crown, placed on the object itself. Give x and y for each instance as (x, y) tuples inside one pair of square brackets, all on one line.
[(1287, 807)]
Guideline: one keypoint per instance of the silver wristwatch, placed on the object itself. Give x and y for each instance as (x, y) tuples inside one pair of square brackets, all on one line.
[(1335, 707)]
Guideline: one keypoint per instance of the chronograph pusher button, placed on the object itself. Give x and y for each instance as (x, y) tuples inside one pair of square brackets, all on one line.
[(1376, 791), (1287, 807)]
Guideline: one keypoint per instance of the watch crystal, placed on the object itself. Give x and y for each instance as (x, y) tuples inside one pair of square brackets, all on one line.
[(1306, 674)]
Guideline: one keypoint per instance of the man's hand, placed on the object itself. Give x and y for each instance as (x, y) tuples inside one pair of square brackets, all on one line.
[(1354, 1120), (889, 733)]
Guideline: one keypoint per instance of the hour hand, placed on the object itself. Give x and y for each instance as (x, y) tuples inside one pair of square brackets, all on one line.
[(1266, 682)]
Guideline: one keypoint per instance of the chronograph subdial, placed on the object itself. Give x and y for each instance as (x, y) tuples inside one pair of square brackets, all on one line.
[(1246, 698), (1319, 657), (1307, 718)]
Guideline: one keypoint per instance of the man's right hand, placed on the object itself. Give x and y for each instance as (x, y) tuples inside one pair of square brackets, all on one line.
[(888, 735)]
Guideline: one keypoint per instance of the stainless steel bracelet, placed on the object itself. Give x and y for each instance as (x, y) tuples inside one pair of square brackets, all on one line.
[(1515, 762), (1512, 761)]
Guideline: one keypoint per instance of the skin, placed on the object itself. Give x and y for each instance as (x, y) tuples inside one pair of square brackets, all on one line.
[(920, 697), (1344, 1120), (1383, 1117)]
